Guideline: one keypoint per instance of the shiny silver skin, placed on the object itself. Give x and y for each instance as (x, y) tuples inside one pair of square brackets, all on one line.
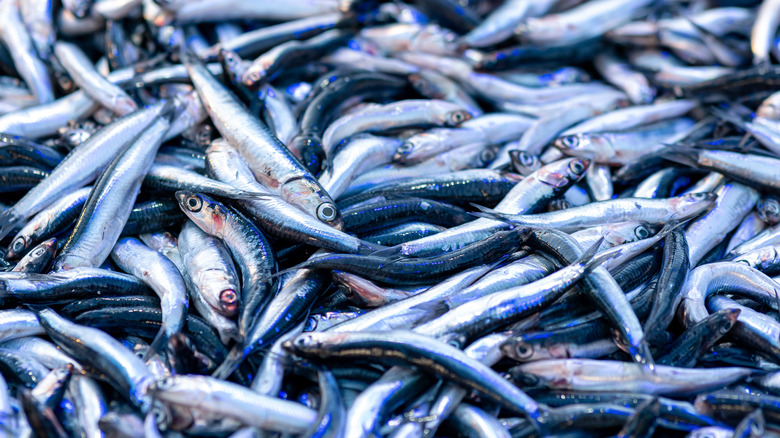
[(16, 38), (123, 368), (578, 23), (37, 17), (75, 170), (231, 400), (394, 115), (362, 153), (93, 83), (412, 37), (525, 195), (111, 201), (750, 227), (624, 147), (38, 258), (162, 276), (652, 211), (501, 23), (599, 181), (40, 225), (620, 74), (220, 10), (734, 202), (606, 375), (270, 161), (279, 114), (166, 244), (19, 323), (210, 269), (247, 244), (631, 117), (90, 404), (417, 309), (44, 351), (420, 350), (274, 215), (764, 30)]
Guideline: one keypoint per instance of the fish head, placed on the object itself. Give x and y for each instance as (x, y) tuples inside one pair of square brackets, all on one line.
[(563, 173), (455, 118), (232, 64), (524, 163), (726, 323), (45, 250), (769, 210), (208, 214), (583, 145), (425, 83), (306, 344), (18, 247), (412, 145), (436, 39), (692, 204), (308, 195)]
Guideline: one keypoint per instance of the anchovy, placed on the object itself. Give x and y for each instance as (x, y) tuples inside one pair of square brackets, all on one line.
[(111, 200), (270, 161)]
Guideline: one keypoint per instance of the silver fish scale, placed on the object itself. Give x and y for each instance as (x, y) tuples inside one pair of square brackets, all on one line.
[(351, 218)]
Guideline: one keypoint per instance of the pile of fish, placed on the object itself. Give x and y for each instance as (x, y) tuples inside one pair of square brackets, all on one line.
[(366, 218)]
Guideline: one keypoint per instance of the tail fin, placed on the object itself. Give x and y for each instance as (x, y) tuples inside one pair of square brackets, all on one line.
[(158, 345), (230, 365), (678, 153), (489, 213), (590, 257), (8, 220)]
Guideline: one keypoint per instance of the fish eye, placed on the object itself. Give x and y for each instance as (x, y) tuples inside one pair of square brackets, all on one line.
[(570, 141), (641, 232), (577, 167), (327, 212), (487, 156), (457, 117), (194, 203), (524, 350), (405, 147), (526, 159), (727, 326), (698, 196), (18, 245), (39, 252)]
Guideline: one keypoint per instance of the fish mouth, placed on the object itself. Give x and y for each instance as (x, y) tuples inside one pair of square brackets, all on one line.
[(228, 300)]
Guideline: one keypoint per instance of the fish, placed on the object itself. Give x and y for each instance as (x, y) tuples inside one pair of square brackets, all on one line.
[(348, 218)]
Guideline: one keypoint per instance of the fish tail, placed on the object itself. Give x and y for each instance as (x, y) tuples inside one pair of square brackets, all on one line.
[(678, 153), (489, 213), (230, 365), (158, 345), (590, 259), (8, 220)]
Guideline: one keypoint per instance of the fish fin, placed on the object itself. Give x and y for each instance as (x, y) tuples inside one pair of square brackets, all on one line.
[(678, 153), (729, 116), (368, 248), (35, 308), (8, 220), (230, 364), (589, 258), (387, 252), (672, 225), (158, 345), (432, 309), (489, 213)]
